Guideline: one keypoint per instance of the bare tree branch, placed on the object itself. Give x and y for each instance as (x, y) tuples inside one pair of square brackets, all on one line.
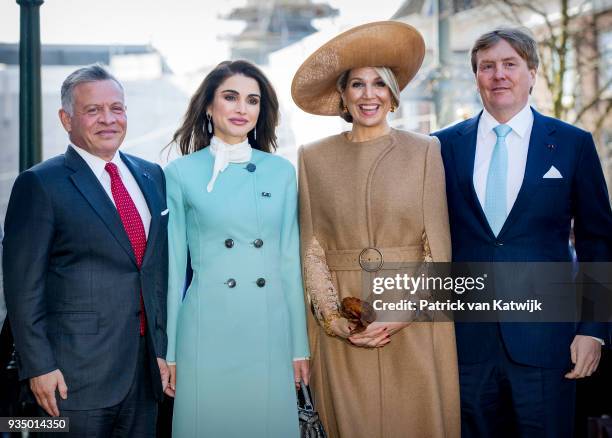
[(582, 7), (545, 68), (562, 53), (530, 7), (508, 12), (601, 119), (594, 101)]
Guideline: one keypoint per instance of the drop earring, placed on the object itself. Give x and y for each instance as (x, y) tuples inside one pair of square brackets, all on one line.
[(255, 133), (209, 126)]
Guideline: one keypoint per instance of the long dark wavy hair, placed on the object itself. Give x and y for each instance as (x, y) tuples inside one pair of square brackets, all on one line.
[(193, 135)]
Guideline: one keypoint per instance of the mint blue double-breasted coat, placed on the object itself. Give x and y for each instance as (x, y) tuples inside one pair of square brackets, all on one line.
[(242, 320)]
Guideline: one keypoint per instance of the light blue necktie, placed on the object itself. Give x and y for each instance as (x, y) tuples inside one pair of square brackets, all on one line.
[(495, 194)]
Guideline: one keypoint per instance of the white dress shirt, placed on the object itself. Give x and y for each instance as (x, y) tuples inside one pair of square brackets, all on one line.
[(96, 164), (517, 142)]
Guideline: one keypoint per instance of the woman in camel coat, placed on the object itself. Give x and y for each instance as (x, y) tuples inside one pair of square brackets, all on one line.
[(372, 194)]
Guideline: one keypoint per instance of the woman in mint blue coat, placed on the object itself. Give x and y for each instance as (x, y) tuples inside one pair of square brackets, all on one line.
[(237, 337)]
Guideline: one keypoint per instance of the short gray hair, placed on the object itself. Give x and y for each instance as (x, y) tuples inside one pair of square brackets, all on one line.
[(387, 76), (90, 73)]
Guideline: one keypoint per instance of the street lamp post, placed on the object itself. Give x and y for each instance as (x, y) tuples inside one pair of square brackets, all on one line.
[(30, 111), (442, 94)]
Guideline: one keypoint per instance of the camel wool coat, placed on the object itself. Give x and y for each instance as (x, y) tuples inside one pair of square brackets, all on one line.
[(387, 193)]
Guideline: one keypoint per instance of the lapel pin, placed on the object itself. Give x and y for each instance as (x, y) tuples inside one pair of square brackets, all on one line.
[(266, 194)]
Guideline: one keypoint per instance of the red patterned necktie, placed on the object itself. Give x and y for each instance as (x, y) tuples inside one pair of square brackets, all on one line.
[(132, 223)]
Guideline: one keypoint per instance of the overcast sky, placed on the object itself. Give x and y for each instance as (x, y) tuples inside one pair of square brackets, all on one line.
[(185, 31)]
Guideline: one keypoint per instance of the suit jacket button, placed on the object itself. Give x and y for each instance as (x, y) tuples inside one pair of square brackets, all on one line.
[(498, 243), (231, 283), (258, 243), (261, 282), (229, 243)]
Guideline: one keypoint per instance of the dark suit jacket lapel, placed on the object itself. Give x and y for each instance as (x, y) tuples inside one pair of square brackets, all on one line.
[(539, 159), (464, 153), (91, 189), (148, 189)]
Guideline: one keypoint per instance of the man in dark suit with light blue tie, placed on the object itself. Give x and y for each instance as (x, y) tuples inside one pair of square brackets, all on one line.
[(85, 269), (515, 180)]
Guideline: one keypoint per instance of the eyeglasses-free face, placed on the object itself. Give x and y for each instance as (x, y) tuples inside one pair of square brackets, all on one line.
[(235, 108), (98, 122), (504, 80), (367, 97)]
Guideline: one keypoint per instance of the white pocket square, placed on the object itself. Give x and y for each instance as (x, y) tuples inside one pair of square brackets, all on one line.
[(552, 173), (165, 212)]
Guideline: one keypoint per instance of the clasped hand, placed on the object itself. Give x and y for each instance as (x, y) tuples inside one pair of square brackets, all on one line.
[(376, 335)]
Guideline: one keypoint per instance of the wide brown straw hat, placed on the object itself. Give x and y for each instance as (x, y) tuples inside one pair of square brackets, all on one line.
[(391, 44)]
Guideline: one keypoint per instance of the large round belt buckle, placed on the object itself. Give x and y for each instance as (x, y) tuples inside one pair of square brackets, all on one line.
[(371, 259)]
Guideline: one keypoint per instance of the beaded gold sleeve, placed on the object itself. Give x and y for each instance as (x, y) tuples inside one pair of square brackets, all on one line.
[(426, 249), (425, 269), (320, 287)]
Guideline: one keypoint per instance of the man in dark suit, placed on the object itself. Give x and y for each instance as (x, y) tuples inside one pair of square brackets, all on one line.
[(85, 269), (515, 180)]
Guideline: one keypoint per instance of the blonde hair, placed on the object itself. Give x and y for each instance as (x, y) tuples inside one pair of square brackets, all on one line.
[(390, 80), (387, 76)]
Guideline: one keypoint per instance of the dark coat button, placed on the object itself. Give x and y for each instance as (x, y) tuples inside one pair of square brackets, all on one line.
[(251, 167), (498, 243), (260, 282), (258, 243), (229, 243), (231, 283)]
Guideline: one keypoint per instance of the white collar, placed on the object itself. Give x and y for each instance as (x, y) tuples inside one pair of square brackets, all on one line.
[(520, 123), (227, 153), (95, 163)]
